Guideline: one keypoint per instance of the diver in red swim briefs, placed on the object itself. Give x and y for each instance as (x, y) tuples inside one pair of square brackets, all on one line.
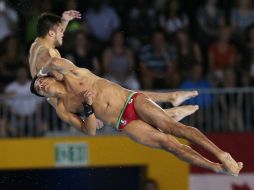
[(142, 119)]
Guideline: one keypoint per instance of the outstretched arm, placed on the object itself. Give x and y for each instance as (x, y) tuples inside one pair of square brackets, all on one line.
[(60, 65), (44, 56), (67, 16)]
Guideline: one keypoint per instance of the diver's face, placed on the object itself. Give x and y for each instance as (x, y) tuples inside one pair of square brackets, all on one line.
[(59, 33), (45, 86)]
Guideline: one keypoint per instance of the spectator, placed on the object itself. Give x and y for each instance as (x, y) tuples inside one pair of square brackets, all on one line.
[(8, 20), (173, 19), (249, 52), (151, 184), (158, 68), (247, 79), (123, 8), (101, 19), (118, 63), (242, 16), (210, 20), (231, 104), (24, 107), (250, 38), (159, 5), (11, 57), (204, 100), (196, 80), (141, 23), (3, 128), (222, 54), (188, 51), (82, 56)]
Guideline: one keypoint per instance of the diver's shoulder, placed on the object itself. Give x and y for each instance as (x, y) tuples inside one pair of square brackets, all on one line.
[(39, 44)]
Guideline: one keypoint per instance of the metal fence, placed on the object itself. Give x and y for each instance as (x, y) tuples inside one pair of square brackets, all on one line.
[(220, 110), (223, 110)]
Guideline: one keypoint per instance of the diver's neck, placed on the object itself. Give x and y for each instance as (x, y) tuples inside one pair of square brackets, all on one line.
[(61, 91), (46, 41)]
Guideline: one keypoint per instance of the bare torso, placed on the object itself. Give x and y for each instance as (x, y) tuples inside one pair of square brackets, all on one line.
[(36, 62), (108, 98)]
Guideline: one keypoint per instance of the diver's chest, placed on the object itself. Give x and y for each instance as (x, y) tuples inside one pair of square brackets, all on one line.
[(74, 85), (73, 103)]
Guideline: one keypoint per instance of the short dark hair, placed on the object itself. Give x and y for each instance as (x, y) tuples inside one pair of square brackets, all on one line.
[(46, 22), (32, 89)]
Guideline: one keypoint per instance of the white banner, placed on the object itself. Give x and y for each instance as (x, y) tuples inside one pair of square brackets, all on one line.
[(221, 182)]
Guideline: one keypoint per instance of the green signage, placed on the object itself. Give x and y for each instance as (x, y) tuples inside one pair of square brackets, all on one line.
[(71, 154)]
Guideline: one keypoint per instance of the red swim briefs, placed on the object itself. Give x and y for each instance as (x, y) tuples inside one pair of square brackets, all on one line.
[(128, 113)]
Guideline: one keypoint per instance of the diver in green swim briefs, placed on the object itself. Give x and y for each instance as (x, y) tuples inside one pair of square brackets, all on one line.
[(135, 114)]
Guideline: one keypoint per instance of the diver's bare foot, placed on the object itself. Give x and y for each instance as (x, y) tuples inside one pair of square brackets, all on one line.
[(240, 165), (231, 166), (178, 113), (219, 168), (181, 96)]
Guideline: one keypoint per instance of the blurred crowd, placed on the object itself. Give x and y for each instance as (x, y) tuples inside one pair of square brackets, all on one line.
[(142, 44)]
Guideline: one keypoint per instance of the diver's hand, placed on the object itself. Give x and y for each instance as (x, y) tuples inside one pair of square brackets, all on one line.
[(88, 97), (70, 15), (99, 124)]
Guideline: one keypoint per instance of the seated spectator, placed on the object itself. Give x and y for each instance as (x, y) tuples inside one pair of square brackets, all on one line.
[(222, 54), (118, 63), (250, 38), (173, 19), (231, 104), (101, 19), (205, 100), (142, 22), (210, 20), (247, 79), (188, 51), (242, 16), (24, 117), (197, 81), (11, 57), (157, 64), (123, 8), (248, 53), (8, 19), (3, 128), (245, 100), (82, 55)]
